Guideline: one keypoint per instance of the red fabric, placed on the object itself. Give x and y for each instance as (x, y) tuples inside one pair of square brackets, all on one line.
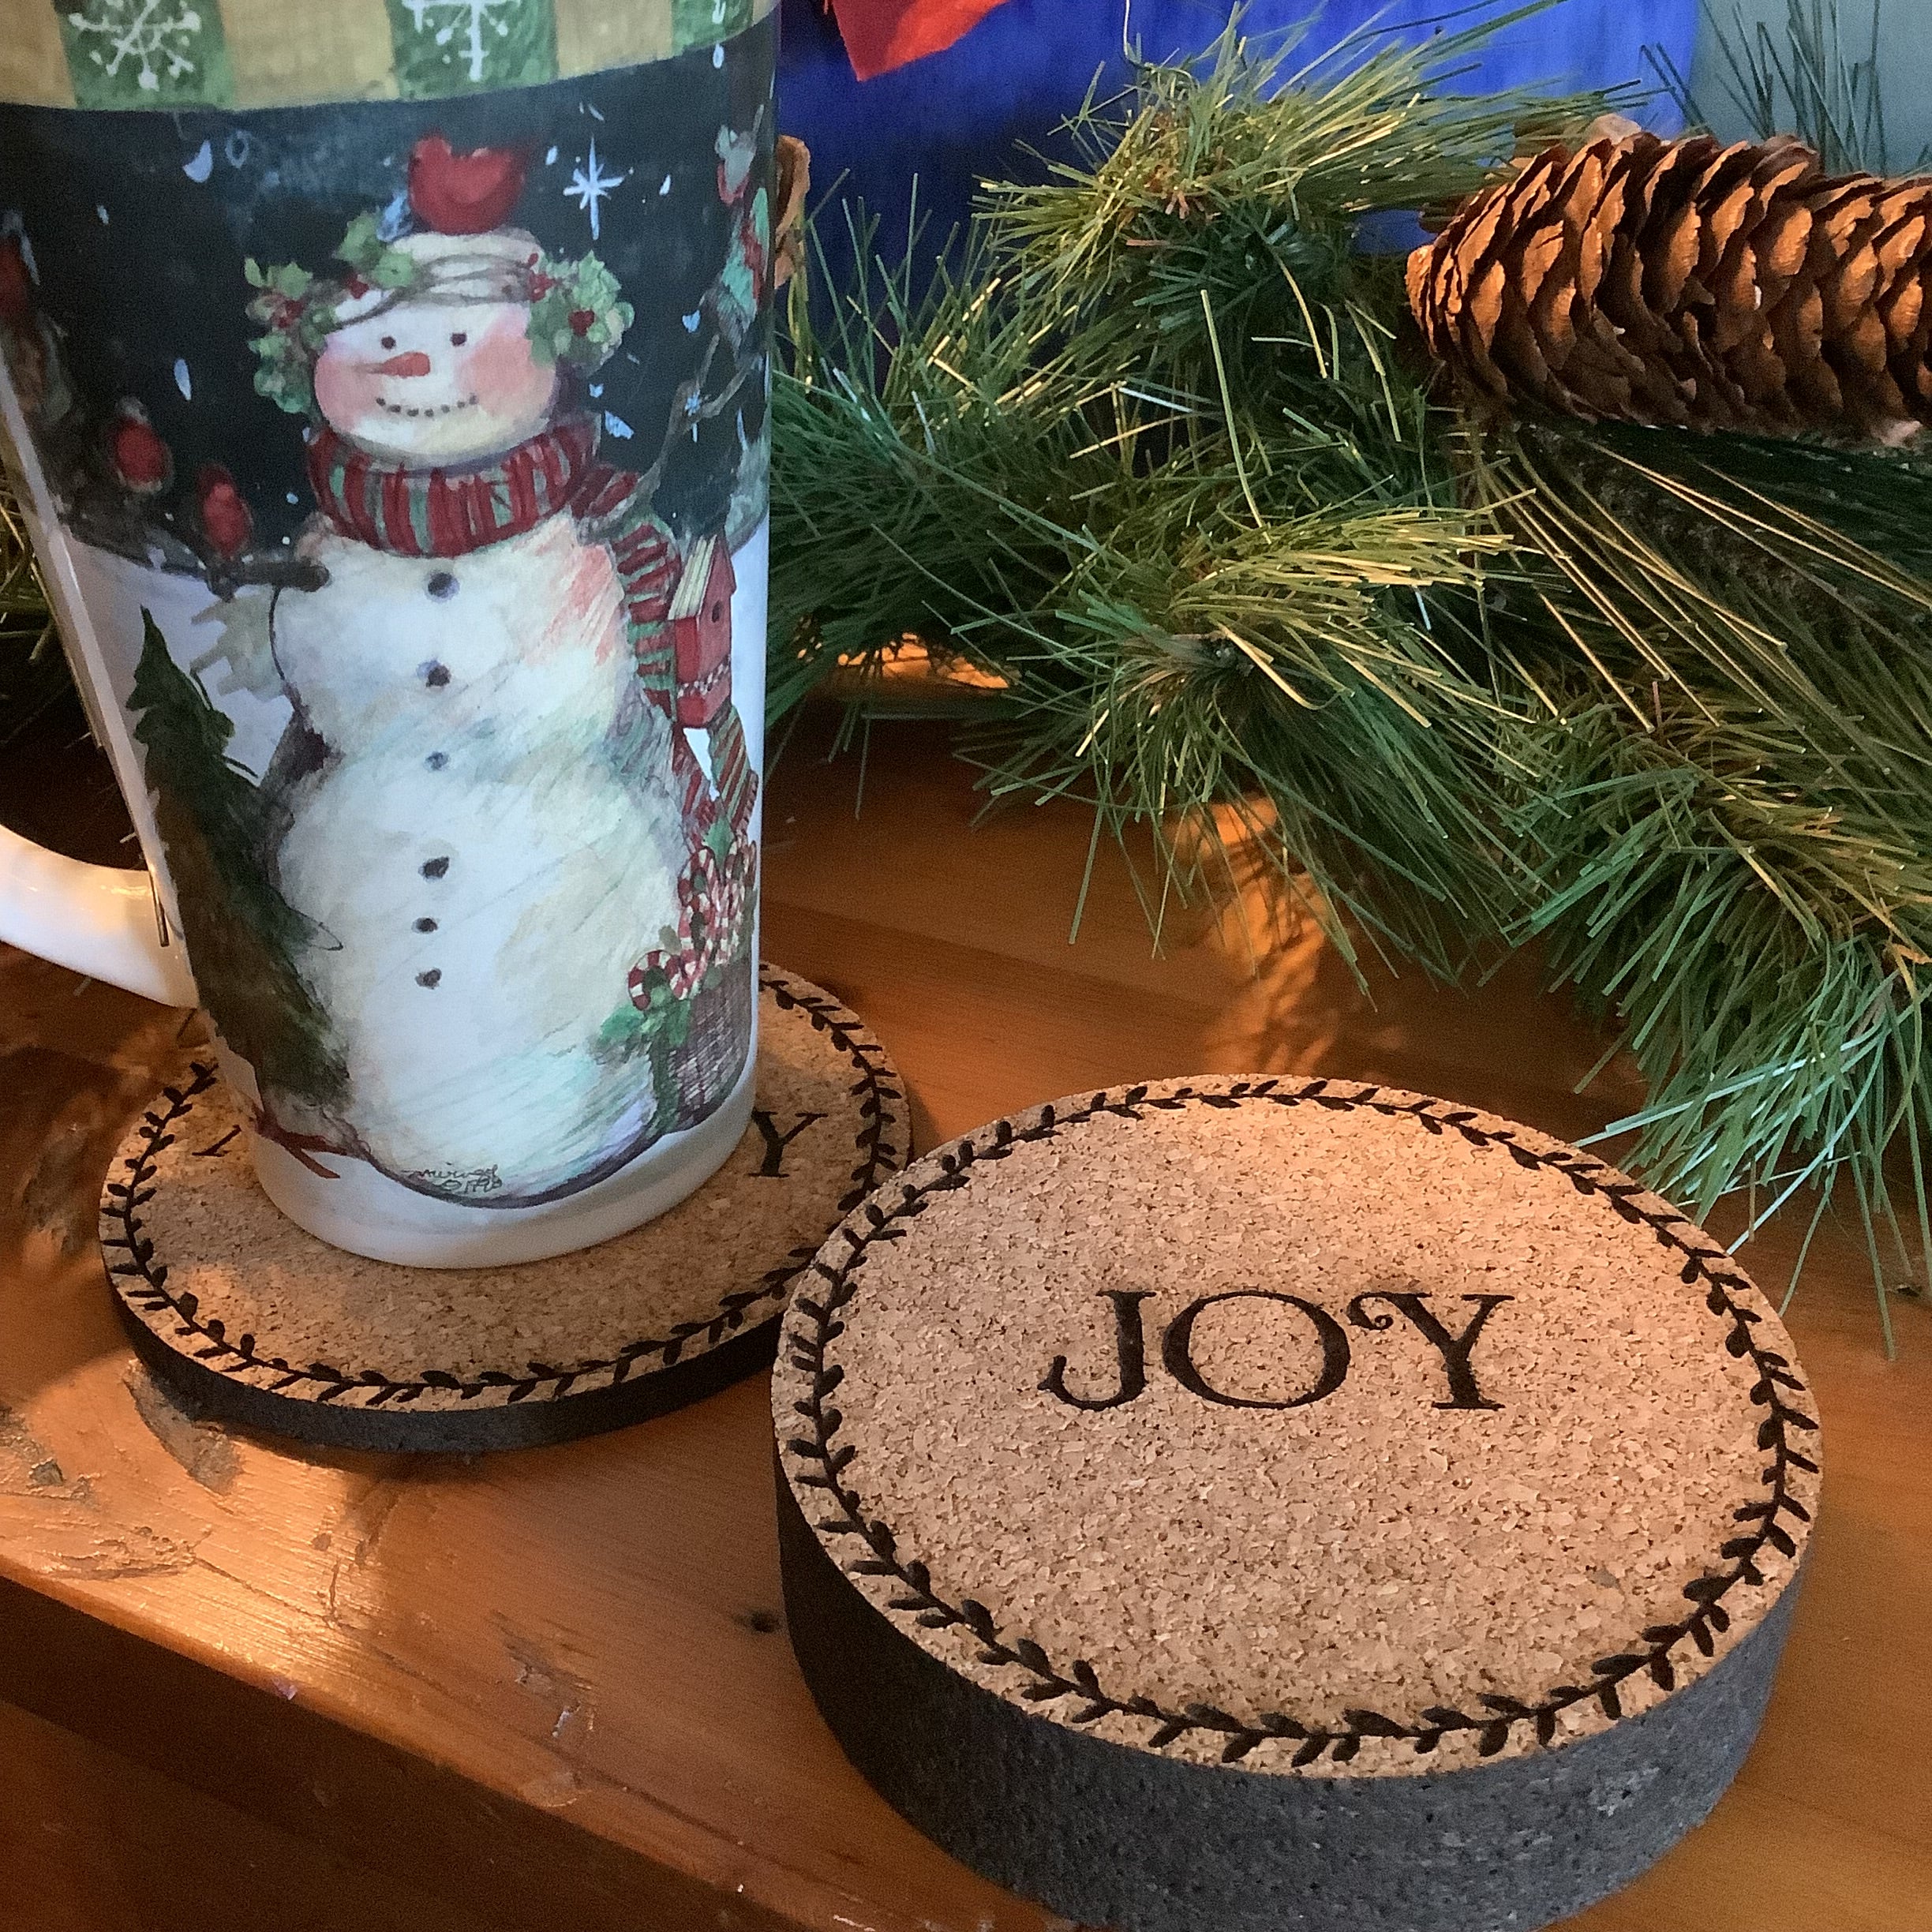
[(880, 34)]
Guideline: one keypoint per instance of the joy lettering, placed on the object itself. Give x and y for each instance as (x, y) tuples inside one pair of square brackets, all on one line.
[(1177, 1347)]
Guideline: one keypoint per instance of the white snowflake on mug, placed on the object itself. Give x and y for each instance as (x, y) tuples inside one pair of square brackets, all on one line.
[(589, 186), (143, 34), (472, 17)]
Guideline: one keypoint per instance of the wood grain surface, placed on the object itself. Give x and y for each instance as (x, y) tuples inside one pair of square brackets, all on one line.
[(552, 1689)]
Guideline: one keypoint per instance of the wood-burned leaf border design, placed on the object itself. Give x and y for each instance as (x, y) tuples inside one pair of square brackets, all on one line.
[(820, 1459), (141, 1281)]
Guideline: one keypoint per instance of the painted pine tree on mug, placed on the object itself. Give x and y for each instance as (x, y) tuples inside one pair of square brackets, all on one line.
[(410, 454)]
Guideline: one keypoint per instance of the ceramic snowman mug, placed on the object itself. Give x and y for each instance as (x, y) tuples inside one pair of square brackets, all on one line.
[(385, 384)]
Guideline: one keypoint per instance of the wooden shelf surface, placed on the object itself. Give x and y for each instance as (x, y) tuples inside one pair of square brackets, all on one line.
[(552, 1688)]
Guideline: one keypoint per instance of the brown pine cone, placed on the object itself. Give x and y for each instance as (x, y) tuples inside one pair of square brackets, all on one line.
[(1681, 282)]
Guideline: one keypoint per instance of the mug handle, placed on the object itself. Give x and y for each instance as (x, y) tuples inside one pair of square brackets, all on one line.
[(103, 921)]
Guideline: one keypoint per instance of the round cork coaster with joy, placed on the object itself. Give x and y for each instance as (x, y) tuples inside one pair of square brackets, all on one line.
[(1278, 1503), (253, 1320)]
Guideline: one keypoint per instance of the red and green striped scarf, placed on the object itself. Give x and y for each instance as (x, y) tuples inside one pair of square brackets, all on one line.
[(449, 513)]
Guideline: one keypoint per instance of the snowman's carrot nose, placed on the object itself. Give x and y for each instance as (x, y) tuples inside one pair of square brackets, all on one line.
[(411, 362)]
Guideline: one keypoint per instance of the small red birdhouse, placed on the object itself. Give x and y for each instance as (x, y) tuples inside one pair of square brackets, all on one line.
[(699, 620)]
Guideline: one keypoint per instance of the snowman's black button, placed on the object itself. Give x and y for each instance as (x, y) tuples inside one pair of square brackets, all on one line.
[(436, 675), (425, 925), (436, 760), (430, 978), (442, 584), (435, 868)]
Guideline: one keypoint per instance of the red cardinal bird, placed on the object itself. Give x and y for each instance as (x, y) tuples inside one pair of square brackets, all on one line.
[(880, 34), (141, 459), (224, 516), (16, 288), (464, 194)]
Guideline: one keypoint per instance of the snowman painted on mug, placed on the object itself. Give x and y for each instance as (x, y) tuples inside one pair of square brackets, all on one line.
[(530, 899)]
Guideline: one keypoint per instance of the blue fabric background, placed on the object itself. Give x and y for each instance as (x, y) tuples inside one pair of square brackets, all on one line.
[(958, 115)]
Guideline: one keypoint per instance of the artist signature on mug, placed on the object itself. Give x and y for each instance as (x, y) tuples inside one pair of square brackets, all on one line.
[(459, 1180)]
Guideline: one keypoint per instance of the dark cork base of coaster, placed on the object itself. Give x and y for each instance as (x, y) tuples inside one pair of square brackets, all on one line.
[(204, 1392), (1109, 1835), (250, 1320)]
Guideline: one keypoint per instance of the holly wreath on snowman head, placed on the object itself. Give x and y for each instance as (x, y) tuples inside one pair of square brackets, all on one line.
[(447, 344)]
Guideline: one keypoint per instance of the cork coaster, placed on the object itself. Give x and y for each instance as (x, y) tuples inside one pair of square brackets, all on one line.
[(255, 1321), (1277, 1503)]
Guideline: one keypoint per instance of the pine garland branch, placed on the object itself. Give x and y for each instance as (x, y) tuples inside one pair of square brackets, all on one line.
[(1725, 804), (1248, 175), (1164, 458), (1184, 629)]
